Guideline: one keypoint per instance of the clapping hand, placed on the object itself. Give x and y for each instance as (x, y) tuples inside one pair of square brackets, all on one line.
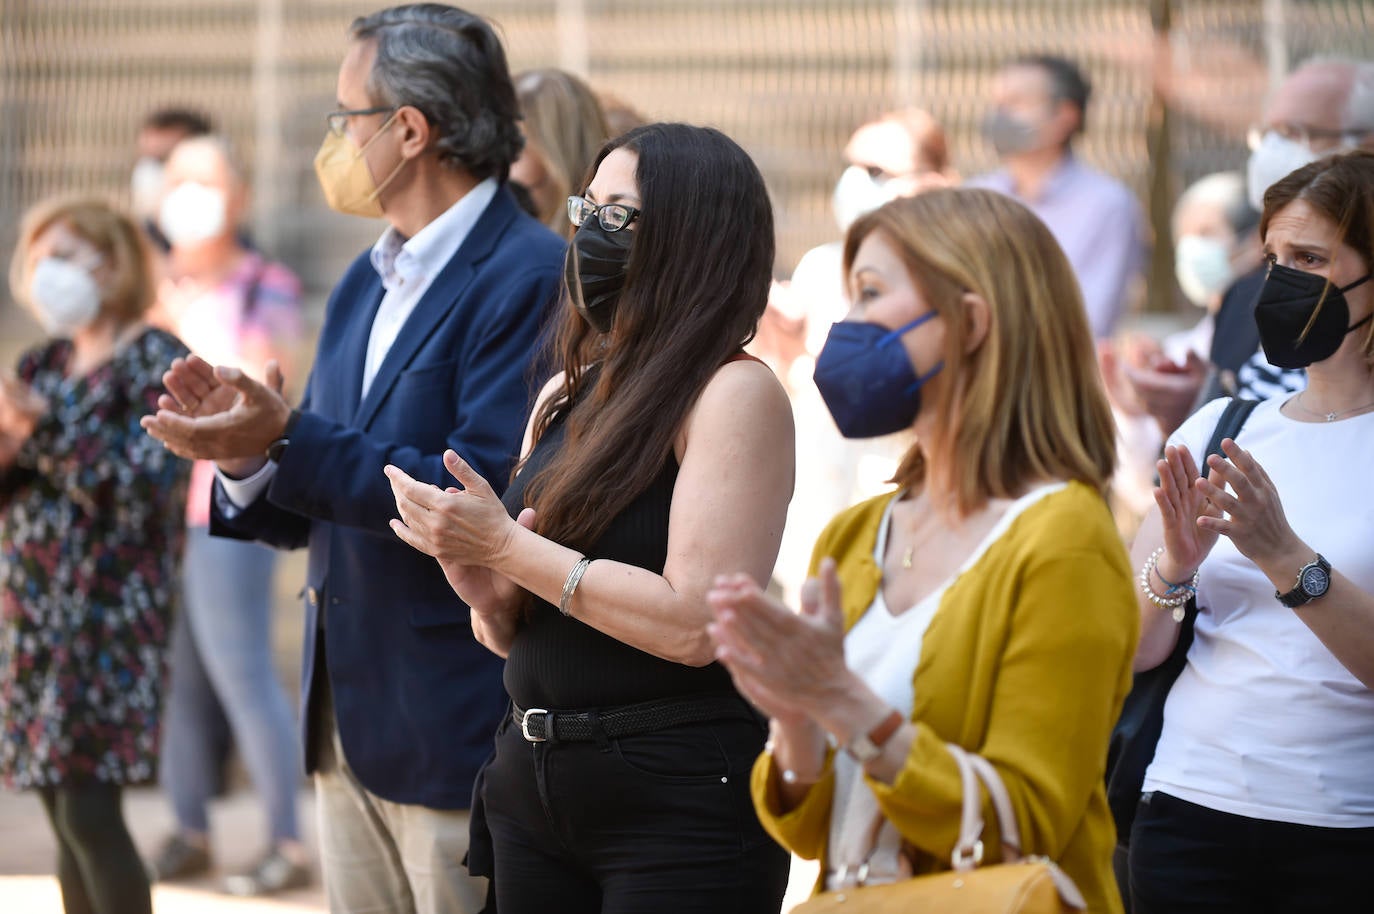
[(20, 409), (789, 665), (467, 526), (219, 414), (1181, 506), (1253, 518)]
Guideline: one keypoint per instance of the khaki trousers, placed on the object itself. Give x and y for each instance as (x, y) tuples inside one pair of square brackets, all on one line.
[(381, 857)]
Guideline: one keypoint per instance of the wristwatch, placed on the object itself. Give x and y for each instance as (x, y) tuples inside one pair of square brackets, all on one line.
[(865, 747), (1313, 580), (277, 448)]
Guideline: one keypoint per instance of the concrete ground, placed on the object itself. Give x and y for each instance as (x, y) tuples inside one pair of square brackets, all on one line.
[(28, 855)]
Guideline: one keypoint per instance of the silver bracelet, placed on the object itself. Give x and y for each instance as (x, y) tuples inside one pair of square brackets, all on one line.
[(1178, 594), (570, 585)]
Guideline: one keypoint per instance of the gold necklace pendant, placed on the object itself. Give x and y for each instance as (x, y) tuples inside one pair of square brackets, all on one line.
[(906, 556)]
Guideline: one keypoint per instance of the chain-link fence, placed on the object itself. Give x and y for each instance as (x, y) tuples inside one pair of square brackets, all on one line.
[(789, 79)]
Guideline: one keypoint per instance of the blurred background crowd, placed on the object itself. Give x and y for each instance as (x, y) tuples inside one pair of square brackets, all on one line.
[(204, 118)]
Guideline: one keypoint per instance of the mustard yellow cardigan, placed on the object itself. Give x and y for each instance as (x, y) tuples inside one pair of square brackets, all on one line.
[(1026, 662)]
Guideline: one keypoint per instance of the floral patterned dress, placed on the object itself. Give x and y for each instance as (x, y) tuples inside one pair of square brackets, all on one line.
[(91, 528)]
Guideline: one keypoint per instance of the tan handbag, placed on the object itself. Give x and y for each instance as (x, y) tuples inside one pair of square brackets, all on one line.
[(1033, 885)]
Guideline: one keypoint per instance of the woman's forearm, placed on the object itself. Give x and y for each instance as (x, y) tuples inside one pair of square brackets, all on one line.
[(799, 751), (630, 604), (495, 633)]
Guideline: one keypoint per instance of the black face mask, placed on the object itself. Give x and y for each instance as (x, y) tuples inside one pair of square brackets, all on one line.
[(594, 270), (1285, 305)]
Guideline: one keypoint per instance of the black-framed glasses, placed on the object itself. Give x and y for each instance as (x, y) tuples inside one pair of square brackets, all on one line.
[(612, 216), (338, 120)]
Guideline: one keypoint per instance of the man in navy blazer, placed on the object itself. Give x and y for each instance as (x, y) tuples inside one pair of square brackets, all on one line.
[(428, 343)]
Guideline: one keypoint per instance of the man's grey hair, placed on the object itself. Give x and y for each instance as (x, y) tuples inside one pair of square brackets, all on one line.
[(1358, 114), (448, 64)]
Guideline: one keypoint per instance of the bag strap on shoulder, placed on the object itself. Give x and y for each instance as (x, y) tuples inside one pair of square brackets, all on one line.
[(1229, 425)]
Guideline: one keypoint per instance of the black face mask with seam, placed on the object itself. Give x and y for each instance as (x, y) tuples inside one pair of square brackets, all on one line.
[(595, 269), (1284, 307)]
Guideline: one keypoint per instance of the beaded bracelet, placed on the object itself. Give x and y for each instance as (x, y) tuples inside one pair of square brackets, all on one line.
[(1175, 597)]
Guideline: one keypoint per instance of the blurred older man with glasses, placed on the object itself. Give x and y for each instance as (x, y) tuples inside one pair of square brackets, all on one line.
[(1324, 106)]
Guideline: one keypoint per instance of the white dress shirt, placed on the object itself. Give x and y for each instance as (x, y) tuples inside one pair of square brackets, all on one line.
[(407, 268)]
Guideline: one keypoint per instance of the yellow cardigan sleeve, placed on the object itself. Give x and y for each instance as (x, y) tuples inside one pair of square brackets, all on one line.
[(802, 830), (1055, 697)]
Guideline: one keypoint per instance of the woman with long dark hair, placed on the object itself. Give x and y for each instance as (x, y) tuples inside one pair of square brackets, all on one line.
[(659, 457)]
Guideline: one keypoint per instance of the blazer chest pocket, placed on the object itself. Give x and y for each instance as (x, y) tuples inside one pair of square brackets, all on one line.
[(426, 379), (421, 408)]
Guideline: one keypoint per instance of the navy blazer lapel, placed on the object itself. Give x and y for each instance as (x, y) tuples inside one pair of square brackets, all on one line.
[(437, 302)]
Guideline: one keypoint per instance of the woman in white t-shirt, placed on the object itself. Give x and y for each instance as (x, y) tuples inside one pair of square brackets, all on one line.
[(1260, 796)]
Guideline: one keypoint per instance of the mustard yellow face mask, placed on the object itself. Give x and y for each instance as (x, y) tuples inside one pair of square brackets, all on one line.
[(345, 178)]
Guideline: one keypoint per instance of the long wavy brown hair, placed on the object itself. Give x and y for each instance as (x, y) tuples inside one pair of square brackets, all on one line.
[(696, 286)]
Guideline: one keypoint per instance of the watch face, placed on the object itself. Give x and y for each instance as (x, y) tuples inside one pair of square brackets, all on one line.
[(1315, 580)]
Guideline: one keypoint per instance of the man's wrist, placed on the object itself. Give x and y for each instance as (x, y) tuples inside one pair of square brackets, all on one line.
[(241, 468), (276, 448)]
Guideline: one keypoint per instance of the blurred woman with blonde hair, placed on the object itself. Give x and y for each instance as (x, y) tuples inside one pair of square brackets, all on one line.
[(564, 129), (986, 603), (91, 526)]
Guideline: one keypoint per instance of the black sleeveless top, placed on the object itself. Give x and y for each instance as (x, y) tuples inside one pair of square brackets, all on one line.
[(559, 663)]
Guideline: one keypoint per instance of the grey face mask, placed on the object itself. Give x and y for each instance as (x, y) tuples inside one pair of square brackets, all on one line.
[(1007, 133)]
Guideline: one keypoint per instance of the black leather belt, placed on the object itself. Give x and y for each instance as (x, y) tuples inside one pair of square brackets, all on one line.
[(540, 724)]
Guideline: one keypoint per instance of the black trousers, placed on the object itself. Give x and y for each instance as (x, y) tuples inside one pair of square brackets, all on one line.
[(98, 867), (1187, 858), (658, 822)]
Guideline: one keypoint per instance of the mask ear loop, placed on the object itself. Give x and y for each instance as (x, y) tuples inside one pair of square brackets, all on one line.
[(362, 150), (1326, 291), (893, 335), (922, 379), (1361, 281)]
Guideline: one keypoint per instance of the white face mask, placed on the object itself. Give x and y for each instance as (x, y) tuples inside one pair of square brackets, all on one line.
[(858, 192), (1203, 268), (1274, 159), (66, 296), (145, 187), (192, 213)]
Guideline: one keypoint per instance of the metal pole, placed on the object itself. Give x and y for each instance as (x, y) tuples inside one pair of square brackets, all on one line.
[(1275, 44), (908, 16), (269, 147), (574, 48), (1159, 291)]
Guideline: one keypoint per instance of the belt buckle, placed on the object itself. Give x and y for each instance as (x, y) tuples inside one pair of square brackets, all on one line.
[(525, 725)]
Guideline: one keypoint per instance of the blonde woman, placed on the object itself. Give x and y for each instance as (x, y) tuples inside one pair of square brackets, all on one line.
[(987, 601), (91, 524), (564, 129)]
